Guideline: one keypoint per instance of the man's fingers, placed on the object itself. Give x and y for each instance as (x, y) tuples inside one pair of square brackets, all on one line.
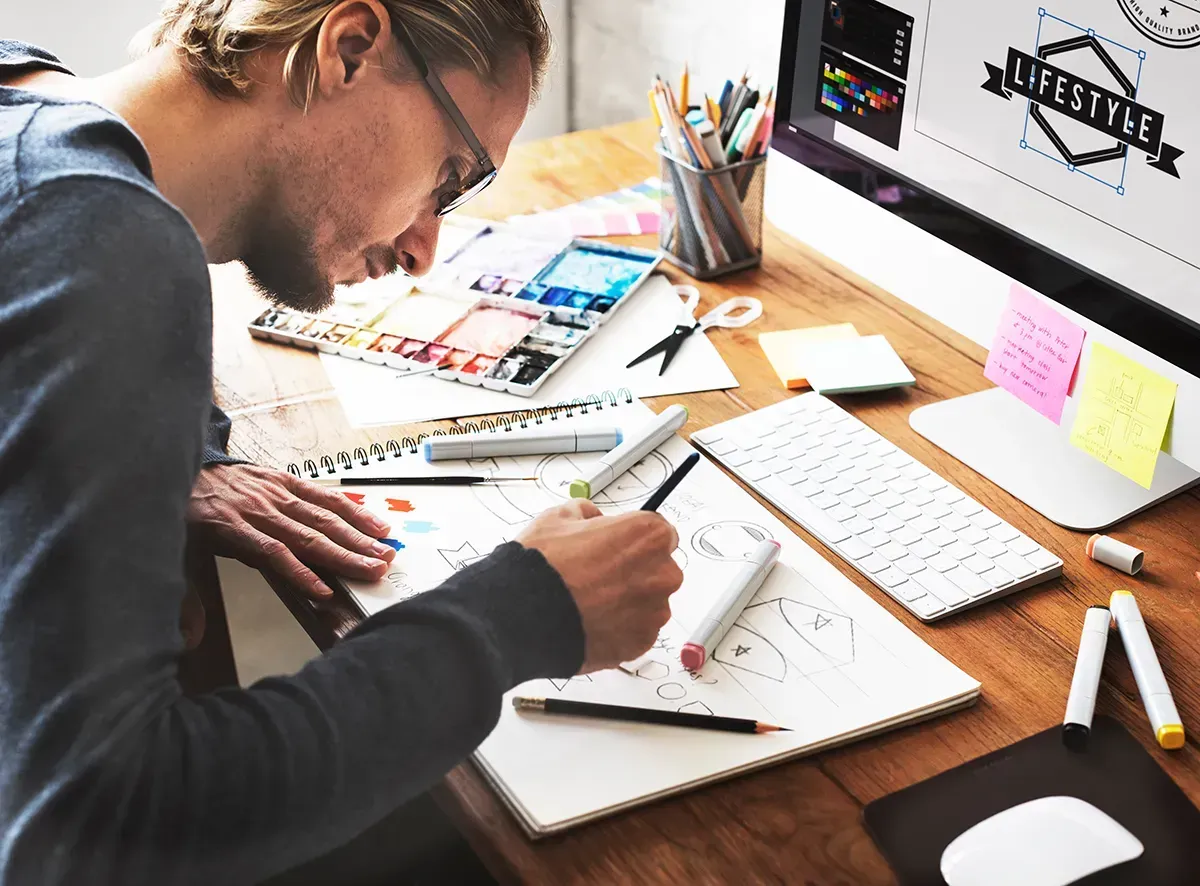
[(313, 547), (577, 509), (336, 529), (333, 500), (273, 553)]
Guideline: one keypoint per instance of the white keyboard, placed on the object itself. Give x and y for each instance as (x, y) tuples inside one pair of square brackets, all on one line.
[(931, 547)]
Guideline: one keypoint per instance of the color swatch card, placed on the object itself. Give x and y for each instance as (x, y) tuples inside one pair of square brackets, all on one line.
[(786, 349), (811, 651), (1035, 353), (855, 365), (634, 210), (1123, 414)]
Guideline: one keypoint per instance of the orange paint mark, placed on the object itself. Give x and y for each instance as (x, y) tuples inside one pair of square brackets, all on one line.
[(356, 497), (399, 504)]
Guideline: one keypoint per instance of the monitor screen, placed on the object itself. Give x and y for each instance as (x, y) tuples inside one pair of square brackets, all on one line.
[(1058, 140)]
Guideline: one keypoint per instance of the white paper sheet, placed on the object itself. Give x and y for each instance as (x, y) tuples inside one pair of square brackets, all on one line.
[(811, 651), (377, 395)]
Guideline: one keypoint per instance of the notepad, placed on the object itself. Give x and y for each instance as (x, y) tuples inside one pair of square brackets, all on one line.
[(786, 349), (855, 365), (811, 651), (1123, 414)]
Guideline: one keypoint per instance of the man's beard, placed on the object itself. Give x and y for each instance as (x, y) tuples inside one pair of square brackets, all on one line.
[(282, 263)]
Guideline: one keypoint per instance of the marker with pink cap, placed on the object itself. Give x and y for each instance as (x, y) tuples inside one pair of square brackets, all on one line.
[(716, 624)]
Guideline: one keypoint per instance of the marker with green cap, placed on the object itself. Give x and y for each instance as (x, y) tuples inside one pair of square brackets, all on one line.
[(636, 447)]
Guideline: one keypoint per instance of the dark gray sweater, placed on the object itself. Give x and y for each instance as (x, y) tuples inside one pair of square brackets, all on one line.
[(107, 773)]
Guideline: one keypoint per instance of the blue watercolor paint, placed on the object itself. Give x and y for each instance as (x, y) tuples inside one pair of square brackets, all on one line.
[(393, 543), (419, 527)]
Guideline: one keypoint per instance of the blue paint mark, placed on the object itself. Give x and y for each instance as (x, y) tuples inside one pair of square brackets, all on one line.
[(419, 527), (393, 543)]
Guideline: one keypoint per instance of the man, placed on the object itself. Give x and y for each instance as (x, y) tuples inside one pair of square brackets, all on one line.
[(303, 139)]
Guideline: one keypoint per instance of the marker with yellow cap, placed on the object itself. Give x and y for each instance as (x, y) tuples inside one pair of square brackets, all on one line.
[(634, 448), (1151, 683)]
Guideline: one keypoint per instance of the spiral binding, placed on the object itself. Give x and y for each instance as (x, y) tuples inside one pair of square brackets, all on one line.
[(327, 465)]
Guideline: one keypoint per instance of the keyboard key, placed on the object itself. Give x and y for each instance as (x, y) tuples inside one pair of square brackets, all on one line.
[(985, 520), (923, 549), (1023, 545), (908, 591), (885, 474), (955, 522), (719, 447), (778, 419), (889, 522), (795, 406), (735, 459), (791, 452), (972, 535), (892, 551), (872, 510), (924, 524), (854, 498), (945, 590), (762, 454), (853, 549), (871, 486), (880, 447), (841, 464), (910, 565), (936, 509), (808, 418), (808, 515), (915, 471), (792, 477), (808, 443), (762, 429), (942, 562), (842, 513), (889, 499), (919, 497), (852, 450), (838, 486), (707, 436), (949, 495), (804, 463), (871, 462), (824, 429), (927, 606), (824, 454), (776, 441), (821, 474), (745, 442), (777, 465), (822, 404), (754, 472), (825, 500), (875, 538), (1042, 559), (809, 487), (968, 581), (873, 564), (858, 525), (905, 535), (891, 578), (989, 547), (967, 507), (1003, 532), (1018, 566), (841, 441), (932, 482), (857, 476), (907, 511), (901, 486), (959, 551), (978, 564), (942, 537), (997, 578), (897, 459)]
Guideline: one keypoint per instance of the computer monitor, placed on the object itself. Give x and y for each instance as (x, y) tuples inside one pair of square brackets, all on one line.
[(943, 149)]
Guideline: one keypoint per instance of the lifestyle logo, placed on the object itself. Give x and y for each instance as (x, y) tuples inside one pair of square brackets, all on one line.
[(1114, 114)]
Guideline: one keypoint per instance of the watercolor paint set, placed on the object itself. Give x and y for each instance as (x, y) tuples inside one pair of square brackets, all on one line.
[(504, 314)]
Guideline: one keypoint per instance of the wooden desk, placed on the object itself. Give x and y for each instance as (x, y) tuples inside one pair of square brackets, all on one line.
[(800, 822)]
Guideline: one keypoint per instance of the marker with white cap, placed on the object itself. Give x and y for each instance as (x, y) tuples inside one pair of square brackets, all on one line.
[(1151, 683), (716, 624), (539, 441), (1081, 703), (630, 452)]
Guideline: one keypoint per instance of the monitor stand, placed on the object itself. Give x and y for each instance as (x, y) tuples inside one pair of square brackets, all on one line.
[(1029, 456)]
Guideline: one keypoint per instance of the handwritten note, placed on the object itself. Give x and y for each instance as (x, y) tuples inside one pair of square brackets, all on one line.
[(1123, 414), (1034, 353)]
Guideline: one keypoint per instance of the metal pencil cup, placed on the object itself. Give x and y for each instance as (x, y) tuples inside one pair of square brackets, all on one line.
[(712, 218)]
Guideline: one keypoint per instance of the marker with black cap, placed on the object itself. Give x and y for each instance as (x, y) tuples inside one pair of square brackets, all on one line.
[(1081, 703)]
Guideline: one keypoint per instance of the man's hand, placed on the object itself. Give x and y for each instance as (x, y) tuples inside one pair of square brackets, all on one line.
[(270, 518), (618, 569)]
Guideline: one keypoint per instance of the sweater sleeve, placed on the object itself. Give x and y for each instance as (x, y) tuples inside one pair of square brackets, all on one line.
[(108, 774), (216, 439)]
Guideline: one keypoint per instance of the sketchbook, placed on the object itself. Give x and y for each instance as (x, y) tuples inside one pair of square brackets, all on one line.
[(811, 651)]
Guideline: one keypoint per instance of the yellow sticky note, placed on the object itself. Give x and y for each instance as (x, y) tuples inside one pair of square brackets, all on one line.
[(785, 349), (1123, 414)]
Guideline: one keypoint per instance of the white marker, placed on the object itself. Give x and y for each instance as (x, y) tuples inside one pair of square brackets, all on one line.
[(1116, 554), (1151, 684), (1081, 703), (630, 452), (716, 624), (522, 442)]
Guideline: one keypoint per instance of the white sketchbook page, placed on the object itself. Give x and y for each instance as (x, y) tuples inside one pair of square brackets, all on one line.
[(812, 651), (378, 395)]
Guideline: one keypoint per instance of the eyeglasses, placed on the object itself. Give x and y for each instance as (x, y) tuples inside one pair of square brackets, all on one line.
[(486, 171)]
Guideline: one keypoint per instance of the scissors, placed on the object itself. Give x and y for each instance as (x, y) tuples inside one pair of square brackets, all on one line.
[(721, 315)]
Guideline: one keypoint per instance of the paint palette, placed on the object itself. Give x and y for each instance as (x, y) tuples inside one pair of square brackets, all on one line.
[(506, 313)]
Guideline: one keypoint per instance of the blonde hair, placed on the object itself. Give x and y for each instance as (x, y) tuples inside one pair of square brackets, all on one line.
[(216, 37)]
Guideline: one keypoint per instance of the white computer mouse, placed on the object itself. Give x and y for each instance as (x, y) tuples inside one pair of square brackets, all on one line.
[(1051, 841)]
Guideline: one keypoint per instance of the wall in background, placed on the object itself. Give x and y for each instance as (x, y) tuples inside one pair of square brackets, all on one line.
[(618, 47)]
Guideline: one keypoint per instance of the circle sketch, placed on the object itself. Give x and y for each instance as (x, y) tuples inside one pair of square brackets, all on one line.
[(728, 540)]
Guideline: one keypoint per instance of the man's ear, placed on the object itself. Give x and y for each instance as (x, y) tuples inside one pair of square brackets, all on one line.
[(356, 35)]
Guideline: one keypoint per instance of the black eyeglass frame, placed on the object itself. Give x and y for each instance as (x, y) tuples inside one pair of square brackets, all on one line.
[(487, 169)]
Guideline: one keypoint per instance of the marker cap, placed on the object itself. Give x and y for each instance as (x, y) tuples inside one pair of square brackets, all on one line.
[(692, 656), (580, 489), (1170, 736)]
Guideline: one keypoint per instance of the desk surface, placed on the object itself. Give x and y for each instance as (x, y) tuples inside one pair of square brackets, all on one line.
[(799, 822)]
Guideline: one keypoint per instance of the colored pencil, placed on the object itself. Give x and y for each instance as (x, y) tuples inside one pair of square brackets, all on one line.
[(643, 715), (660, 495), (444, 480)]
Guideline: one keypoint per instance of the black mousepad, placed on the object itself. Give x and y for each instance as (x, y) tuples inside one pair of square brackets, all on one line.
[(1114, 773)]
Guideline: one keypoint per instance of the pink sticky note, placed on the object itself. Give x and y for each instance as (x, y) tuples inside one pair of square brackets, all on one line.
[(1035, 353)]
